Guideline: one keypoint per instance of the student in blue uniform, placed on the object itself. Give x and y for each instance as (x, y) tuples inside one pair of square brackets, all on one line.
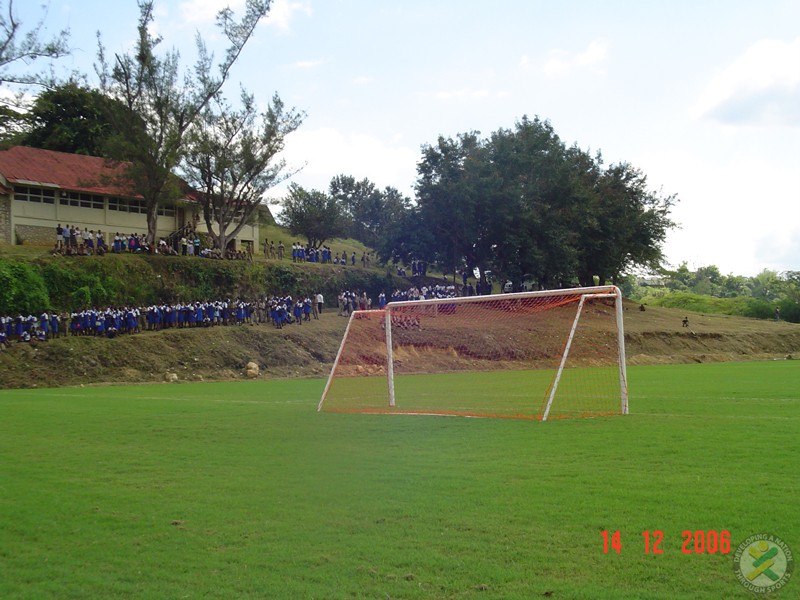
[(298, 311)]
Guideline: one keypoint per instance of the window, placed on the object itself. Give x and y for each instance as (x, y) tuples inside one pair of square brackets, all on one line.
[(81, 200), (31, 194)]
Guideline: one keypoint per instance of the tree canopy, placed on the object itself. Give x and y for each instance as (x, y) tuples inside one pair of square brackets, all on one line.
[(162, 103), (522, 204), (68, 118), (313, 214), (232, 161), (366, 210)]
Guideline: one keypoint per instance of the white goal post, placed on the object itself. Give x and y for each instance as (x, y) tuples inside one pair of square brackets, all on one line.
[(536, 355)]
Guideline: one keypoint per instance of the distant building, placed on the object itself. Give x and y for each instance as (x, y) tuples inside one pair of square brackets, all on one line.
[(40, 189), (651, 281)]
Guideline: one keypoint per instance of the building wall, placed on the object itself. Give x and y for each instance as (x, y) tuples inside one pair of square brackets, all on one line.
[(35, 222), (5, 220), (30, 219)]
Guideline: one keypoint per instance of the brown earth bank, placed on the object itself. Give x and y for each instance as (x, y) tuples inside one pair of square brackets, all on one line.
[(653, 336)]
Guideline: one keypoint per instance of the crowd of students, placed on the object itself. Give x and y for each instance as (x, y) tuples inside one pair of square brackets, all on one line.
[(425, 293), (306, 253), (72, 241), (113, 321)]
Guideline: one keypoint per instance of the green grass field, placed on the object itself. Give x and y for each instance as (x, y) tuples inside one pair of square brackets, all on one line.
[(241, 490)]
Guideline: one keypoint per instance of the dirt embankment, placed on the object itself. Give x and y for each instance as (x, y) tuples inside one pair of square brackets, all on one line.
[(653, 336), (658, 335)]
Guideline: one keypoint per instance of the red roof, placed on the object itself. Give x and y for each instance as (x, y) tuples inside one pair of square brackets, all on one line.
[(76, 172)]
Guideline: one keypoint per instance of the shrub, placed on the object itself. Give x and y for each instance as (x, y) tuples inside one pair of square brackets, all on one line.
[(22, 289)]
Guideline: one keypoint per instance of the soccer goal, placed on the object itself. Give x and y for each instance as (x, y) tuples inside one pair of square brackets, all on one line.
[(533, 355)]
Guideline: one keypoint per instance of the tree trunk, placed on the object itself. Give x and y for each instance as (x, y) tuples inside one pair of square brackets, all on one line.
[(222, 240), (152, 223)]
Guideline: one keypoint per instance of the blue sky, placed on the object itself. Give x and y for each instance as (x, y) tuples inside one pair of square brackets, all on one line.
[(703, 96)]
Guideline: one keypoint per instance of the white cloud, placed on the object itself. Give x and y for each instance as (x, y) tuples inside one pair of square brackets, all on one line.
[(728, 218), (560, 62), (760, 87), (307, 64), (280, 14), (205, 11), (328, 152), (468, 94)]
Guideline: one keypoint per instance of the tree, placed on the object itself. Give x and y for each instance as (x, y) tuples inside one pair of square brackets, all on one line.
[(527, 207), (766, 285), (162, 104), (70, 118), (313, 214), (626, 227), (20, 46), (454, 205), (367, 210), (231, 161), (534, 203)]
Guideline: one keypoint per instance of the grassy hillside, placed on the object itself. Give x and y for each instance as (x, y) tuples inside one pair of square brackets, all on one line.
[(31, 280)]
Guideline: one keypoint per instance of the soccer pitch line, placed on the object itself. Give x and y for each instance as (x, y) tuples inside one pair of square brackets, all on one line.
[(696, 416)]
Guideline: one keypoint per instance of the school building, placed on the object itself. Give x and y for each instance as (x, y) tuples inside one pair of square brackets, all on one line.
[(40, 189)]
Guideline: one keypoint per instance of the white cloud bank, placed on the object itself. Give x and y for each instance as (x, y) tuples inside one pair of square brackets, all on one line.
[(761, 87), (560, 62), (281, 12), (328, 152)]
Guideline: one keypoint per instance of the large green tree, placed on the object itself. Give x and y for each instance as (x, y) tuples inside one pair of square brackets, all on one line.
[(522, 204), (163, 103), (313, 214), (71, 118), (232, 160), (367, 210)]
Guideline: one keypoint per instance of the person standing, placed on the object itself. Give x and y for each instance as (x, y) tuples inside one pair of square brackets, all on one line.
[(320, 301)]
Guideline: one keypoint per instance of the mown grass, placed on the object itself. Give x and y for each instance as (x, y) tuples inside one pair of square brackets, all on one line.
[(241, 490)]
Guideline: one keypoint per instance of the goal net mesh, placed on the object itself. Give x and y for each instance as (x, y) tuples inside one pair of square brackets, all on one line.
[(498, 356)]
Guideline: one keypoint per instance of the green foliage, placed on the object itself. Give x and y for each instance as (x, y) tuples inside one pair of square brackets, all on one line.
[(119, 280), (22, 288), (708, 290), (232, 160), (164, 102), (313, 214), (367, 211), (525, 206), (71, 118), (740, 306), (82, 297)]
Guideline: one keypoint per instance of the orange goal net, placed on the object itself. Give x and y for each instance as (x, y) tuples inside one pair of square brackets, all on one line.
[(533, 355)]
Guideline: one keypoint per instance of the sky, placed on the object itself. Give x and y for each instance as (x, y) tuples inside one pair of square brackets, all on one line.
[(703, 96)]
